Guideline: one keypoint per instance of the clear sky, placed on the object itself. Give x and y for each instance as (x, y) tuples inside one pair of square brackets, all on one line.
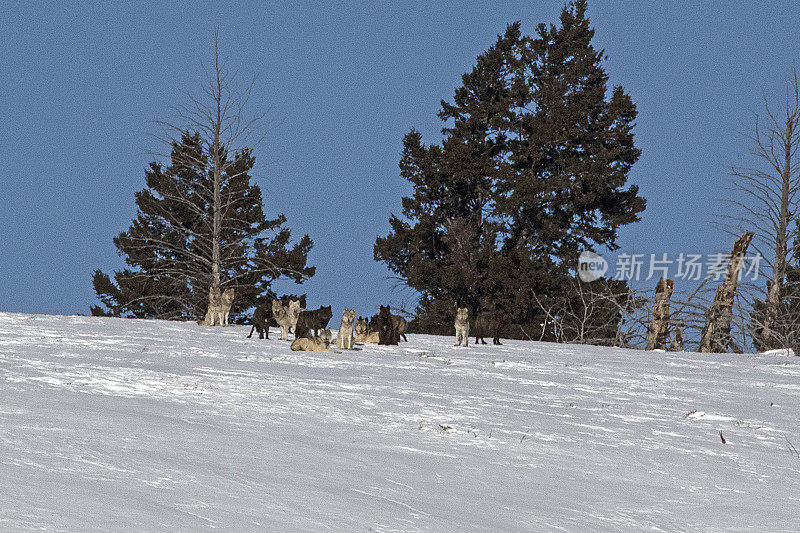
[(341, 83)]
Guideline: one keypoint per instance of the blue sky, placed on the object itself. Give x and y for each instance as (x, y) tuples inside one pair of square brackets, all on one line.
[(340, 85)]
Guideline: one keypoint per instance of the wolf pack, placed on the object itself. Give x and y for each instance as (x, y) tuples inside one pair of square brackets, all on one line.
[(310, 327)]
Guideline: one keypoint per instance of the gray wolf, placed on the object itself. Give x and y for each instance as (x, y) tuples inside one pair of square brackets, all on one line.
[(362, 332), (214, 312), (401, 324), (346, 338), (295, 306), (462, 326), (281, 316), (319, 344), (226, 302)]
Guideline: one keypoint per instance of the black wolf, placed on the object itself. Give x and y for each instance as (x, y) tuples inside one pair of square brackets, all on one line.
[(261, 320), (386, 327), (488, 323), (309, 321)]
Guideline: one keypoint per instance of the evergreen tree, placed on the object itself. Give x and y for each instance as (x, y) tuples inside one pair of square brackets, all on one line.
[(571, 161), (447, 243), (200, 222), (169, 245), (532, 170)]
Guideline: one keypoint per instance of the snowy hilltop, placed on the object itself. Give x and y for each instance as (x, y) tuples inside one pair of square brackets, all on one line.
[(112, 424)]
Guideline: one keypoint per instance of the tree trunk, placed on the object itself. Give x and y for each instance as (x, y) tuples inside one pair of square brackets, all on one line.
[(658, 335), (677, 339), (216, 232), (781, 242), (716, 336)]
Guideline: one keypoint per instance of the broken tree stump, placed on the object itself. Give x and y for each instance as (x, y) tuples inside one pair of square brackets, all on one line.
[(716, 336), (658, 334), (677, 339)]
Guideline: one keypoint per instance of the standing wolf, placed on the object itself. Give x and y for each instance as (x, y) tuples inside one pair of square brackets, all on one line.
[(401, 325), (488, 323), (226, 302), (386, 327), (309, 322), (346, 338), (462, 326), (214, 313), (295, 306), (261, 319), (281, 316)]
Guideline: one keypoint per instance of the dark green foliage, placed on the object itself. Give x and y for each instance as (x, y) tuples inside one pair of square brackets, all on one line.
[(168, 246), (532, 170)]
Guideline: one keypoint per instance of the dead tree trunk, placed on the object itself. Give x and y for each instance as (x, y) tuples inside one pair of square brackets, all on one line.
[(716, 336), (658, 335), (216, 129), (677, 339), (781, 237)]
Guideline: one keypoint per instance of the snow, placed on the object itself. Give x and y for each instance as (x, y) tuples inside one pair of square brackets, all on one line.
[(111, 424), (780, 351)]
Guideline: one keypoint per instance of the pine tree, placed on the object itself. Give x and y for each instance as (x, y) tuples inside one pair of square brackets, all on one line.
[(201, 222), (168, 247), (532, 171), (445, 246)]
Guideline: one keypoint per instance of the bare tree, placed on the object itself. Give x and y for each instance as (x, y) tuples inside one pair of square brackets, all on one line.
[(224, 129), (766, 202), (594, 313)]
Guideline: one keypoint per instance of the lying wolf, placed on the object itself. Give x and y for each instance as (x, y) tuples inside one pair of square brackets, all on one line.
[(346, 338), (362, 332), (310, 322), (462, 326), (214, 312), (319, 344)]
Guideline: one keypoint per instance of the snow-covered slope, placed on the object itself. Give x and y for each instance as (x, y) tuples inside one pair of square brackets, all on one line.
[(142, 425)]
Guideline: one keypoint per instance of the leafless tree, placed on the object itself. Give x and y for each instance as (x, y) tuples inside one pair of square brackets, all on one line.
[(219, 117), (766, 200), (586, 313)]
